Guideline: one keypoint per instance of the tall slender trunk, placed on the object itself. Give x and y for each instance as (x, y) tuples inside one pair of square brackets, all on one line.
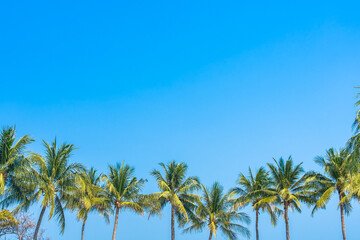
[(210, 237), (116, 223), (39, 222), (83, 227), (342, 216), (257, 224), (286, 217), (172, 222)]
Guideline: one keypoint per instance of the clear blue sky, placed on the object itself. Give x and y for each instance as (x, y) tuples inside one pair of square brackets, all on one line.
[(220, 85)]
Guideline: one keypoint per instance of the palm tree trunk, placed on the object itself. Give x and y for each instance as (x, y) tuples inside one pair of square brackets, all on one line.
[(342, 217), (172, 222), (39, 222), (257, 224), (286, 217), (210, 237), (83, 227), (116, 223)]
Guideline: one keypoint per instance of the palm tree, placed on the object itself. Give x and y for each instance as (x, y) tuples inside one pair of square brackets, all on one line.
[(11, 154), (123, 191), (338, 167), (289, 188), (177, 190), (251, 190), (50, 178), (88, 196), (215, 211)]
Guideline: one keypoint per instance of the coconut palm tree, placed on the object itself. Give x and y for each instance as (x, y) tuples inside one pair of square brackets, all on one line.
[(338, 167), (214, 210), (123, 191), (251, 190), (88, 196), (176, 190), (11, 154), (49, 179), (289, 188)]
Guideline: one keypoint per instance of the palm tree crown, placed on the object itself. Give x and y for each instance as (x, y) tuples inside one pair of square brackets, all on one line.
[(11, 154), (175, 189), (289, 188), (50, 178), (123, 191), (215, 211), (251, 190), (88, 196), (338, 166)]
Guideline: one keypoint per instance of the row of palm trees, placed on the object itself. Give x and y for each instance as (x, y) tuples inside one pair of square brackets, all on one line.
[(51, 180), (57, 184)]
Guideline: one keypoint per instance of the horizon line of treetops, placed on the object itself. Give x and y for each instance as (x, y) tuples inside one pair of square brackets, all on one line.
[(57, 184)]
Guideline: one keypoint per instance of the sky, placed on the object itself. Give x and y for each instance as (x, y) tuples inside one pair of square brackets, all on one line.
[(220, 85)]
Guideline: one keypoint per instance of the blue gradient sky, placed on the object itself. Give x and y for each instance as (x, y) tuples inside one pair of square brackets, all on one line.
[(221, 85)]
